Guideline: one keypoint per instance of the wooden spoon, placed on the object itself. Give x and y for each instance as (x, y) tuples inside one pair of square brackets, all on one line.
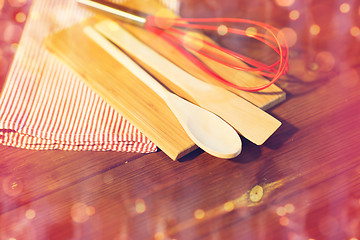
[(207, 130)]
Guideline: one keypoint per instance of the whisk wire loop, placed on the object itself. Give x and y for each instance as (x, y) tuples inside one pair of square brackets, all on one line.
[(272, 38)]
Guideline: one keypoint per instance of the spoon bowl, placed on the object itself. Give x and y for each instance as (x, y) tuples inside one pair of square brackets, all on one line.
[(207, 130)]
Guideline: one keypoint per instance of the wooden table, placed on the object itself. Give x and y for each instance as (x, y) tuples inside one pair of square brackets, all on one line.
[(303, 183)]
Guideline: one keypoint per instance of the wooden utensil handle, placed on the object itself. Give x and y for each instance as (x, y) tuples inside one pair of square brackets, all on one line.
[(131, 44), (127, 62)]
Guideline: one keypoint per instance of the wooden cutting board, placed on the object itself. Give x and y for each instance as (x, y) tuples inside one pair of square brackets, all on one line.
[(129, 96)]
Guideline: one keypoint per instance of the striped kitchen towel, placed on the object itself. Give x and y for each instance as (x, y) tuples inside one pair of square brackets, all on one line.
[(44, 105)]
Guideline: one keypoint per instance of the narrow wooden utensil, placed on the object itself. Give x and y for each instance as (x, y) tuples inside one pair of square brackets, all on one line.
[(207, 130), (249, 120)]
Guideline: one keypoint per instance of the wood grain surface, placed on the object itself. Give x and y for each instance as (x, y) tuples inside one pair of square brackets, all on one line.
[(303, 183)]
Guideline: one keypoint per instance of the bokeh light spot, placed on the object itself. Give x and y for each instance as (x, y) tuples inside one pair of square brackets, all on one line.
[(12, 187), (229, 206), (285, 3), (30, 214), (159, 236), (1, 4), (11, 32), (281, 211), (251, 31), (355, 31), (314, 29), (290, 36), (289, 208), (256, 193), (222, 30), (140, 206), (20, 17), (79, 213), (284, 221), (294, 14), (345, 7), (90, 210), (199, 214)]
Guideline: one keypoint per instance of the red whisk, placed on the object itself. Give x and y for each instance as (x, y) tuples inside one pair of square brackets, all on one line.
[(173, 31)]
